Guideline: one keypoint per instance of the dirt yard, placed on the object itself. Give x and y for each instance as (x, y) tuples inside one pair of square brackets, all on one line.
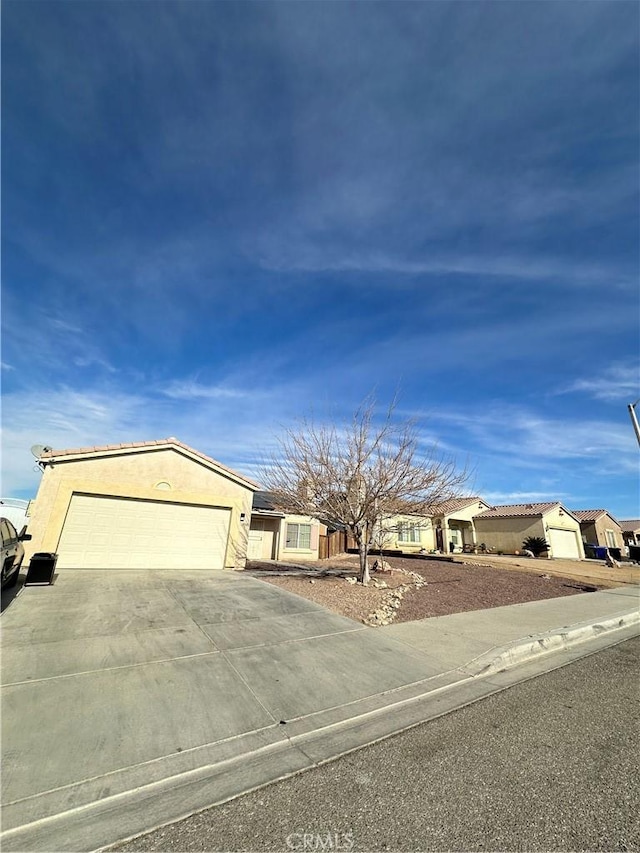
[(416, 589)]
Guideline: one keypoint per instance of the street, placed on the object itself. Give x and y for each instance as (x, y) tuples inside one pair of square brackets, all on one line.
[(551, 764)]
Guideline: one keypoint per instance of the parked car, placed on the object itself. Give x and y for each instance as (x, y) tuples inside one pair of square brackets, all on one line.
[(12, 551)]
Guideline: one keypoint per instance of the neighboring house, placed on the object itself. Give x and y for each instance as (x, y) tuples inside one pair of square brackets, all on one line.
[(454, 525), (145, 505), (407, 533), (277, 535), (449, 529), (631, 531), (504, 528), (598, 527)]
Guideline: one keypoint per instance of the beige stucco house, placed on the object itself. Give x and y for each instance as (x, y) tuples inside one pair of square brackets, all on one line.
[(449, 529), (599, 527), (631, 531), (504, 528), (145, 505), (407, 533), (454, 525), (276, 535)]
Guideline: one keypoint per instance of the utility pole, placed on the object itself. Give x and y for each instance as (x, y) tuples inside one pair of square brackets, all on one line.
[(634, 418)]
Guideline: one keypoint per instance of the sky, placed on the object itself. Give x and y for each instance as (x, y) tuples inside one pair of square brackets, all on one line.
[(220, 217)]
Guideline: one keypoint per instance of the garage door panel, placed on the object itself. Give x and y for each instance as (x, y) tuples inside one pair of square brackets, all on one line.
[(122, 533), (564, 544)]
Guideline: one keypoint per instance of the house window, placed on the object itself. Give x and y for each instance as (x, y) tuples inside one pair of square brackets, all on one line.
[(408, 532), (298, 536), (611, 538)]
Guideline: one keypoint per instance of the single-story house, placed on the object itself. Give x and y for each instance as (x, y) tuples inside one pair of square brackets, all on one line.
[(286, 536), (407, 533), (504, 528), (145, 505), (449, 529), (631, 531), (454, 525), (599, 527)]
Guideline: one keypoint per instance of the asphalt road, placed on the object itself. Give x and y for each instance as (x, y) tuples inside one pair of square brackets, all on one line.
[(551, 764)]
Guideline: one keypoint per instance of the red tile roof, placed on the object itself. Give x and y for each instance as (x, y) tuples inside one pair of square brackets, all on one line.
[(447, 507), (591, 514), (134, 445), (518, 510)]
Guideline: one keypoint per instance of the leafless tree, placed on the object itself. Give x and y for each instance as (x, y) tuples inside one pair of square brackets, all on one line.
[(359, 473)]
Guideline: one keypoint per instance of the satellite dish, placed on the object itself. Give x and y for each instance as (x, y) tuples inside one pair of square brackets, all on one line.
[(38, 449)]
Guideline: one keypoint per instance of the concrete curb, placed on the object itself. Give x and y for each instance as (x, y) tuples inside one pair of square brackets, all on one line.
[(513, 654), (85, 819)]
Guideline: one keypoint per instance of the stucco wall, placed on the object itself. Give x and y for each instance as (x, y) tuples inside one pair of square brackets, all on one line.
[(601, 526), (137, 475), (467, 513), (389, 538), (507, 534), (295, 554), (589, 533)]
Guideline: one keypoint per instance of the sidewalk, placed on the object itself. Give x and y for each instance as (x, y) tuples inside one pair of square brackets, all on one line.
[(245, 701)]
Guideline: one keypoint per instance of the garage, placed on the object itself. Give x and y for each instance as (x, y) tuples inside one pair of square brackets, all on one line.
[(143, 505), (564, 543), (121, 533), (507, 527)]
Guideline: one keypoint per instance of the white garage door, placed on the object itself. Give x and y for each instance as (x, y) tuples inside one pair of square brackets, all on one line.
[(564, 543), (119, 533)]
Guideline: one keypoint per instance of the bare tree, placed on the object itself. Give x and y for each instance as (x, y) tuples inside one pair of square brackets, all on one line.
[(358, 474)]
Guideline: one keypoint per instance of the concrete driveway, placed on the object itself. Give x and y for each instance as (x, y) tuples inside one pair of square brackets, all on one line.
[(122, 680)]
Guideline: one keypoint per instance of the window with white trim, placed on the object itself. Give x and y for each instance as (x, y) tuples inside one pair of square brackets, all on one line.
[(611, 538), (408, 532), (298, 536)]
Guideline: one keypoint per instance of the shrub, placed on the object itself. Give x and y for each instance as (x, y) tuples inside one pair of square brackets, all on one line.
[(536, 544)]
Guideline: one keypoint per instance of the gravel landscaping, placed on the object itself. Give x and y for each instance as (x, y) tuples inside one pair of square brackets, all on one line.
[(414, 589)]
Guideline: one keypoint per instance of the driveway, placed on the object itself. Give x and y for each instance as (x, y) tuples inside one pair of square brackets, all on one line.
[(117, 680), (131, 699)]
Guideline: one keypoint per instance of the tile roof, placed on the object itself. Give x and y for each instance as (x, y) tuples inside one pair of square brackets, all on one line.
[(134, 445), (447, 507), (591, 514), (518, 510), (630, 525)]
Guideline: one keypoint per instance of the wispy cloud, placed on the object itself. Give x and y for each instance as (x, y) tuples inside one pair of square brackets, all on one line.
[(500, 498), (191, 390), (225, 219), (525, 269), (236, 429), (526, 437), (616, 382)]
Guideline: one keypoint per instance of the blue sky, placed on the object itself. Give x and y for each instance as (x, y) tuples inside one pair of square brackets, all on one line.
[(219, 215)]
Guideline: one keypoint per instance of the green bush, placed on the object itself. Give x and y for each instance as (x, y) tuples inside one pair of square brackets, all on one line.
[(536, 544)]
